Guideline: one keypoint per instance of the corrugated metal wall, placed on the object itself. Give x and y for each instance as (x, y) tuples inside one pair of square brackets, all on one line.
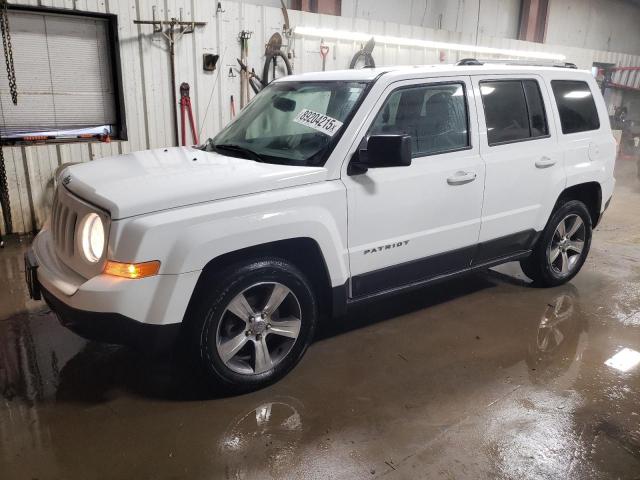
[(145, 67)]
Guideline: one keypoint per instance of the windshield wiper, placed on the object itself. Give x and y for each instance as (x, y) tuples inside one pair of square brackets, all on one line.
[(237, 148)]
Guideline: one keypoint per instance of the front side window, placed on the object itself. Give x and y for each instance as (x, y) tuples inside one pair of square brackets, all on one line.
[(435, 116), (578, 112), (293, 123), (514, 110)]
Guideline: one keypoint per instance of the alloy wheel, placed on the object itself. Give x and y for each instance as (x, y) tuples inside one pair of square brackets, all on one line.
[(567, 245), (259, 328)]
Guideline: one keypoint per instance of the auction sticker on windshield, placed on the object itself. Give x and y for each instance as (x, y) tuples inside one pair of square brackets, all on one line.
[(318, 121)]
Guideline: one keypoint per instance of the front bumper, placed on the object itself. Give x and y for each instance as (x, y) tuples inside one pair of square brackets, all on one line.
[(144, 313), (113, 327)]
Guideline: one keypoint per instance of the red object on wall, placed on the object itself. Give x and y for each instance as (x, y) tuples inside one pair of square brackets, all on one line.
[(328, 7), (533, 20), (185, 106)]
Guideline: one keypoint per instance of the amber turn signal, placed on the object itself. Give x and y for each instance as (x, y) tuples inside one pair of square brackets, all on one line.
[(132, 270)]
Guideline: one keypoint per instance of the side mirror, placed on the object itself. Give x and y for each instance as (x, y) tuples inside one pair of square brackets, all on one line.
[(381, 151)]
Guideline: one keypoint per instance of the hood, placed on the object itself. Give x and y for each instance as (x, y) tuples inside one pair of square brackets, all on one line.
[(153, 180)]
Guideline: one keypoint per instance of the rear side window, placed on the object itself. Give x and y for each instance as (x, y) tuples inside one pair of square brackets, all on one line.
[(514, 110), (435, 116), (578, 112)]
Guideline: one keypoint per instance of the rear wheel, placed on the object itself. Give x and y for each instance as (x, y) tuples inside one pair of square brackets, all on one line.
[(562, 247), (254, 326)]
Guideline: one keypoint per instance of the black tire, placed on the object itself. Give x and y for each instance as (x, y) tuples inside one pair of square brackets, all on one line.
[(539, 267), (204, 324), (266, 69), (369, 62)]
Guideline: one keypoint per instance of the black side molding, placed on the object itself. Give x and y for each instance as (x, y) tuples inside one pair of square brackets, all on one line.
[(413, 271), (504, 246), (435, 268)]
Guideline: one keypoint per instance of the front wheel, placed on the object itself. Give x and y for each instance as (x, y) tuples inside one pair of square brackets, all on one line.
[(562, 247), (255, 324)]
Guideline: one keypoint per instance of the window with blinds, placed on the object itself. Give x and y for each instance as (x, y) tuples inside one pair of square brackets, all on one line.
[(65, 78)]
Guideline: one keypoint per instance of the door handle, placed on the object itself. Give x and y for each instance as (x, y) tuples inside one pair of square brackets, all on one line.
[(460, 178), (545, 162)]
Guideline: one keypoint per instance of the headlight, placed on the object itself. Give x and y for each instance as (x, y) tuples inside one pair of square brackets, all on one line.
[(92, 237)]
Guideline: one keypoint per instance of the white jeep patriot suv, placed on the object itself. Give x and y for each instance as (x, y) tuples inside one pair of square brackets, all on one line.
[(329, 189)]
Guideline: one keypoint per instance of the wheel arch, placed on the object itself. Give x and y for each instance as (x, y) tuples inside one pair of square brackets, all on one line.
[(303, 252), (589, 193)]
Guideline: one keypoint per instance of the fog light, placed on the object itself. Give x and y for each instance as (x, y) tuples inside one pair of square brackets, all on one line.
[(132, 270)]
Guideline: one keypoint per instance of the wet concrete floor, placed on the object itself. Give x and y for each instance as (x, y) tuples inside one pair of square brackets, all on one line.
[(481, 377)]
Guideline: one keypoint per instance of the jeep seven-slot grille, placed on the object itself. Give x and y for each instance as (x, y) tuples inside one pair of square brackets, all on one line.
[(63, 227), (67, 213)]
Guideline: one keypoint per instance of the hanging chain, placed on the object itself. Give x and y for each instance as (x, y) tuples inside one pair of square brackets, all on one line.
[(8, 51), (11, 75), (4, 195)]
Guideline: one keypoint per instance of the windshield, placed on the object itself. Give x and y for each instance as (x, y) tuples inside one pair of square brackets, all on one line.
[(293, 123)]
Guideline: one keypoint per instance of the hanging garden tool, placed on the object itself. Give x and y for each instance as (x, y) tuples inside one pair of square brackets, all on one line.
[(273, 51), (287, 32), (255, 82), (177, 29), (324, 51), (185, 107), (244, 37), (364, 53), (233, 108)]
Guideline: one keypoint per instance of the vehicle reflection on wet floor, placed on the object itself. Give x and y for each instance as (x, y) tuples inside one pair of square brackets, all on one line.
[(482, 376)]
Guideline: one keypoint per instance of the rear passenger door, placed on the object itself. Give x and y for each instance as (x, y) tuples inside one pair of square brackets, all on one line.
[(524, 164)]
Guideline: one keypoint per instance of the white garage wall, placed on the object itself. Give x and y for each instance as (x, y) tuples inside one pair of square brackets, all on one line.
[(145, 67), (499, 17), (605, 24)]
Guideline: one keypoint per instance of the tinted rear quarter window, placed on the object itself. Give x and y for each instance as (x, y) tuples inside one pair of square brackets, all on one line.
[(577, 109)]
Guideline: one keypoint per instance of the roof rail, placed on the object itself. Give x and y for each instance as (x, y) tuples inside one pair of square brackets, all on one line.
[(513, 61)]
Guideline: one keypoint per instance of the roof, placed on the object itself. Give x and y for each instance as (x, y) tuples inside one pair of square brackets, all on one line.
[(366, 74)]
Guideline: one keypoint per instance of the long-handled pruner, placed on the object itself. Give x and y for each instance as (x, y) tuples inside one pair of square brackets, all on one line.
[(254, 80), (324, 51)]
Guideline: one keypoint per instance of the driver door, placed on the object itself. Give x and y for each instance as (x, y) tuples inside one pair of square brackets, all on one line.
[(407, 225)]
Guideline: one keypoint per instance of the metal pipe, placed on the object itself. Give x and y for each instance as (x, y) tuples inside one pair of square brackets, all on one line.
[(174, 109)]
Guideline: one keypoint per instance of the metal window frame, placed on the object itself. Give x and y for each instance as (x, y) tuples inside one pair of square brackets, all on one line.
[(520, 80), (113, 41), (426, 84)]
